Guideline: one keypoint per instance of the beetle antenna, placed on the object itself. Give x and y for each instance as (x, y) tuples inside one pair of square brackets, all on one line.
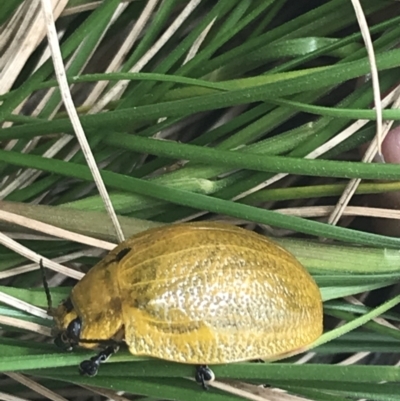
[(46, 288)]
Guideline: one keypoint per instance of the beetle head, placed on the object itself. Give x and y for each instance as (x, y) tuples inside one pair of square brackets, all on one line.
[(68, 326), (67, 330)]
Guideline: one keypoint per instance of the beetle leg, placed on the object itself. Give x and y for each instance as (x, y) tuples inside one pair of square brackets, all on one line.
[(204, 374), (90, 367)]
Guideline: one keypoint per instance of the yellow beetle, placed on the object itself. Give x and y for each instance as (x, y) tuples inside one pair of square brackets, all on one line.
[(197, 293)]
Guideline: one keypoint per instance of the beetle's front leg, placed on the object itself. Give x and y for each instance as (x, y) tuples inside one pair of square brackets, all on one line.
[(90, 367), (203, 375)]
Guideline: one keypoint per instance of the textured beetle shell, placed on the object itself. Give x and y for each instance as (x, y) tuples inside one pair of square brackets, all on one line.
[(201, 293)]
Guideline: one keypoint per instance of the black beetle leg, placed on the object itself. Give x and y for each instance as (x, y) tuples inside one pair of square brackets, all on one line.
[(204, 374), (90, 367)]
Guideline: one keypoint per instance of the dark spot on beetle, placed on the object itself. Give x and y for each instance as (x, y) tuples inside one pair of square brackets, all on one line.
[(168, 328), (140, 301), (147, 273), (113, 309), (102, 316), (122, 253), (68, 305), (115, 304), (107, 274)]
